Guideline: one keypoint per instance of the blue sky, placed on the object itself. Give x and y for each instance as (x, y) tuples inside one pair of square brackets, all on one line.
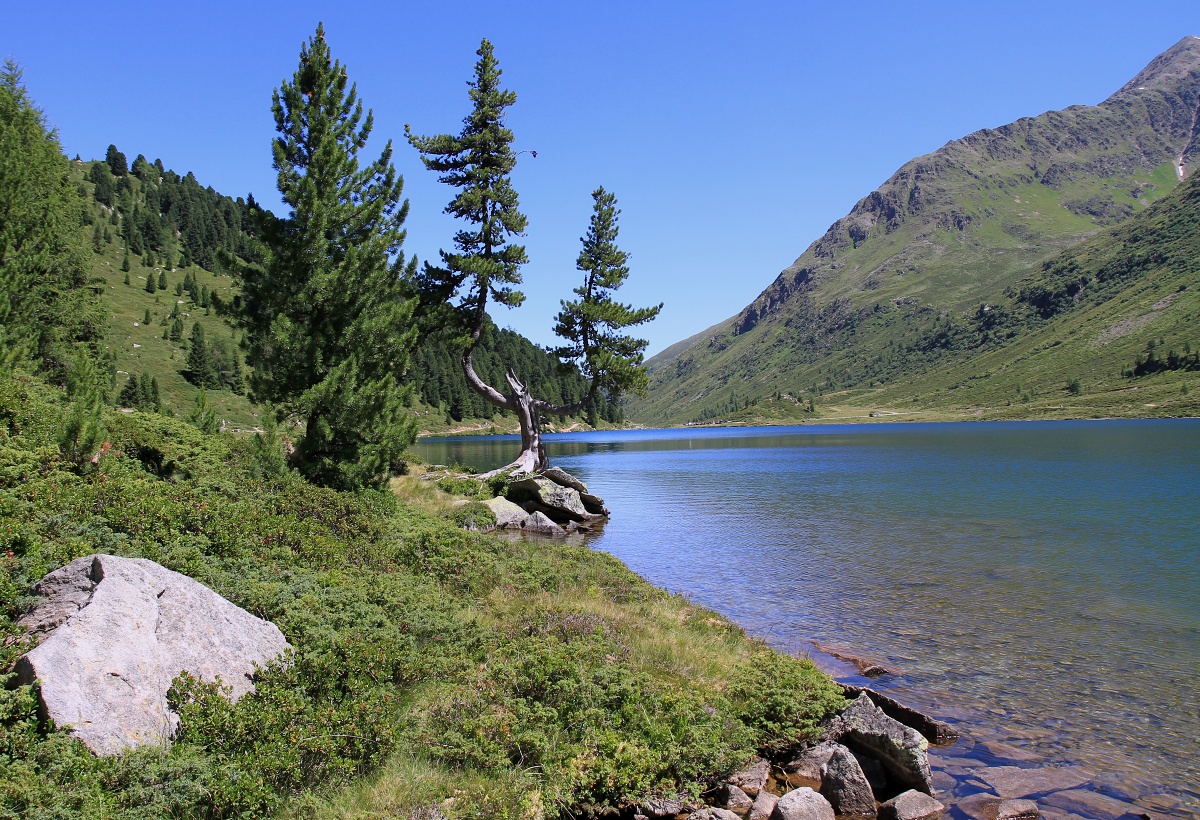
[(732, 134)]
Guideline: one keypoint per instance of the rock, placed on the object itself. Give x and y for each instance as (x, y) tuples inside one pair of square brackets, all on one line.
[(802, 804), (538, 494), (867, 666), (712, 813), (903, 751), (912, 805), (981, 806), (753, 777), (539, 523), (737, 800), (564, 479), (593, 504), (806, 770), (875, 773), (1017, 810), (508, 515), (764, 805), (116, 631), (1089, 804), (1010, 781), (935, 731), (663, 807), (845, 786)]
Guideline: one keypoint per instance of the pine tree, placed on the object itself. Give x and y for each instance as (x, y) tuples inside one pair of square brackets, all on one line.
[(116, 161), (97, 238), (146, 319), (592, 324), (162, 280), (125, 267), (202, 415), (327, 321), (486, 265), (200, 368), (177, 329), (150, 286)]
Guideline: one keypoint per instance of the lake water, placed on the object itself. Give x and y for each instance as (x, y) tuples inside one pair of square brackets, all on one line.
[(1037, 584)]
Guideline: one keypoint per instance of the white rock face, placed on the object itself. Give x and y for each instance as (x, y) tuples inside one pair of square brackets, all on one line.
[(114, 633)]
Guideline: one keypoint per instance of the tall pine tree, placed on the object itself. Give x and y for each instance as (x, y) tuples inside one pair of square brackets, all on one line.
[(486, 265), (328, 325)]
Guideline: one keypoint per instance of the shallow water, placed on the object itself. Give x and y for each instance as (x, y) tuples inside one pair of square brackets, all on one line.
[(1036, 583)]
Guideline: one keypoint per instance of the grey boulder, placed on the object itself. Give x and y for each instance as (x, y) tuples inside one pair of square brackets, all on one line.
[(752, 778), (902, 750), (803, 804), (508, 515), (845, 786), (114, 632), (763, 806), (911, 805)]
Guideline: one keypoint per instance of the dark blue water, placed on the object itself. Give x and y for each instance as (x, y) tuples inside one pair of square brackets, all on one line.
[(1037, 582)]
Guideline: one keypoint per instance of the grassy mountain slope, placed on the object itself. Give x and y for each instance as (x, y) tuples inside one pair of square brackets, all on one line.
[(1109, 328), (947, 232)]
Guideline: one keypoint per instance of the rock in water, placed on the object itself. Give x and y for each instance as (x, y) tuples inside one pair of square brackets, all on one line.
[(912, 805), (802, 804), (845, 786), (115, 632), (903, 751)]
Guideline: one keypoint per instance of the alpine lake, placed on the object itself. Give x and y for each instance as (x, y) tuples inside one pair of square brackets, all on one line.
[(1035, 584)]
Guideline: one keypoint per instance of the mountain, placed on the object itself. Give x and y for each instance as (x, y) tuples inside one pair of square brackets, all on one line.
[(947, 233)]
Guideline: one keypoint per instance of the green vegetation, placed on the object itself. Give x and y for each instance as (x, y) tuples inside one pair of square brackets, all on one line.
[(431, 664), (329, 327)]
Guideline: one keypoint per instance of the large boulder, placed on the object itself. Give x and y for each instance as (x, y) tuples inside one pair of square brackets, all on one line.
[(508, 515), (736, 800), (113, 634), (935, 731), (845, 786), (803, 804), (764, 805), (540, 494), (903, 751)]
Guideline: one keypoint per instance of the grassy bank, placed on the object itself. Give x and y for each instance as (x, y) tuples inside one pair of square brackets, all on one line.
[(432, 668)]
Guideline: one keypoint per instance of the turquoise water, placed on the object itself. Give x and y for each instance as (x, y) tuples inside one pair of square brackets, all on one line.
[(1037, 583)]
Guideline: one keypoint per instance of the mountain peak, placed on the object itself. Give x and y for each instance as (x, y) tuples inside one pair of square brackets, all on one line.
[(1180, 62)]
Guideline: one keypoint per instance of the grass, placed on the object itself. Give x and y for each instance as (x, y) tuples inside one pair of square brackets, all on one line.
[(433, 668)]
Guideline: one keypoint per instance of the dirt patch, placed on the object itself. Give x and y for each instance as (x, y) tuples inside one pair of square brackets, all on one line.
[(1127, 326)]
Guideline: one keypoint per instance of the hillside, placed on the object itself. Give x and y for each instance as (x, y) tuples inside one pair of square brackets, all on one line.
[(168, 227), (948, 232)]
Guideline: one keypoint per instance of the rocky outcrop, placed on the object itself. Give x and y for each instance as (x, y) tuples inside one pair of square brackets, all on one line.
[(557, 494), (752, 779), (113, 634), (935, 731), (902, 750)]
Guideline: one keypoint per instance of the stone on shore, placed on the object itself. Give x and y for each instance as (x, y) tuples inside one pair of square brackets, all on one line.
[(803, 804), (737, 800), (561, 477), (764, 805), (935, 731), (864, 728), (845, 786), (538, 523), (508, 515), (539, 494), (753, 777), (911, 805), (713, 813), (116, 631)]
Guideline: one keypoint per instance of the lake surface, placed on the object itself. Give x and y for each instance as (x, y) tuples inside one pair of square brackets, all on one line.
[(1038, 584)]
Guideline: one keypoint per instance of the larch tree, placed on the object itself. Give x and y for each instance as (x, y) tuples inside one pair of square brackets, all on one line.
[(325, 308), (485, 266)]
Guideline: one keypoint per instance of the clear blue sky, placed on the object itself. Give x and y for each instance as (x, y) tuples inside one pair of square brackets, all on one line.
[(732, 134)]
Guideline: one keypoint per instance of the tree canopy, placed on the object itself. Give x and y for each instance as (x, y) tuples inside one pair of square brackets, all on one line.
[(328, 325)]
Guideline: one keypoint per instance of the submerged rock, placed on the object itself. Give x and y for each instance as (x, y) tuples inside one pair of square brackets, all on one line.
[(1011, 781), (115, 632)]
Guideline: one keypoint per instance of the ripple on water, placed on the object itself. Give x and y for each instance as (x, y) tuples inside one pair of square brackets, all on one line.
[(1038, 584)]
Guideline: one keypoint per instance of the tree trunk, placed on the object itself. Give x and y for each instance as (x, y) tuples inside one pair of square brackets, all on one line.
[(533, 449)]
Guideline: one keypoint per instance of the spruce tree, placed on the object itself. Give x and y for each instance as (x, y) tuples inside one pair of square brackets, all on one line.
[(162, 280), (150, 286), (201, 370), (116, 161), (328, 325)]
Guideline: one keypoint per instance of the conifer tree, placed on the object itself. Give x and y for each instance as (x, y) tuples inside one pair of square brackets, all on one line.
[(485, 265), (162, 280), (328, 325), (150, 286), (203, 415), (116, 161), (201, 370)]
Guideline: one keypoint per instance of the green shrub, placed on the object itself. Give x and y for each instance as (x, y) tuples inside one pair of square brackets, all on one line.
[(473, 516)]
